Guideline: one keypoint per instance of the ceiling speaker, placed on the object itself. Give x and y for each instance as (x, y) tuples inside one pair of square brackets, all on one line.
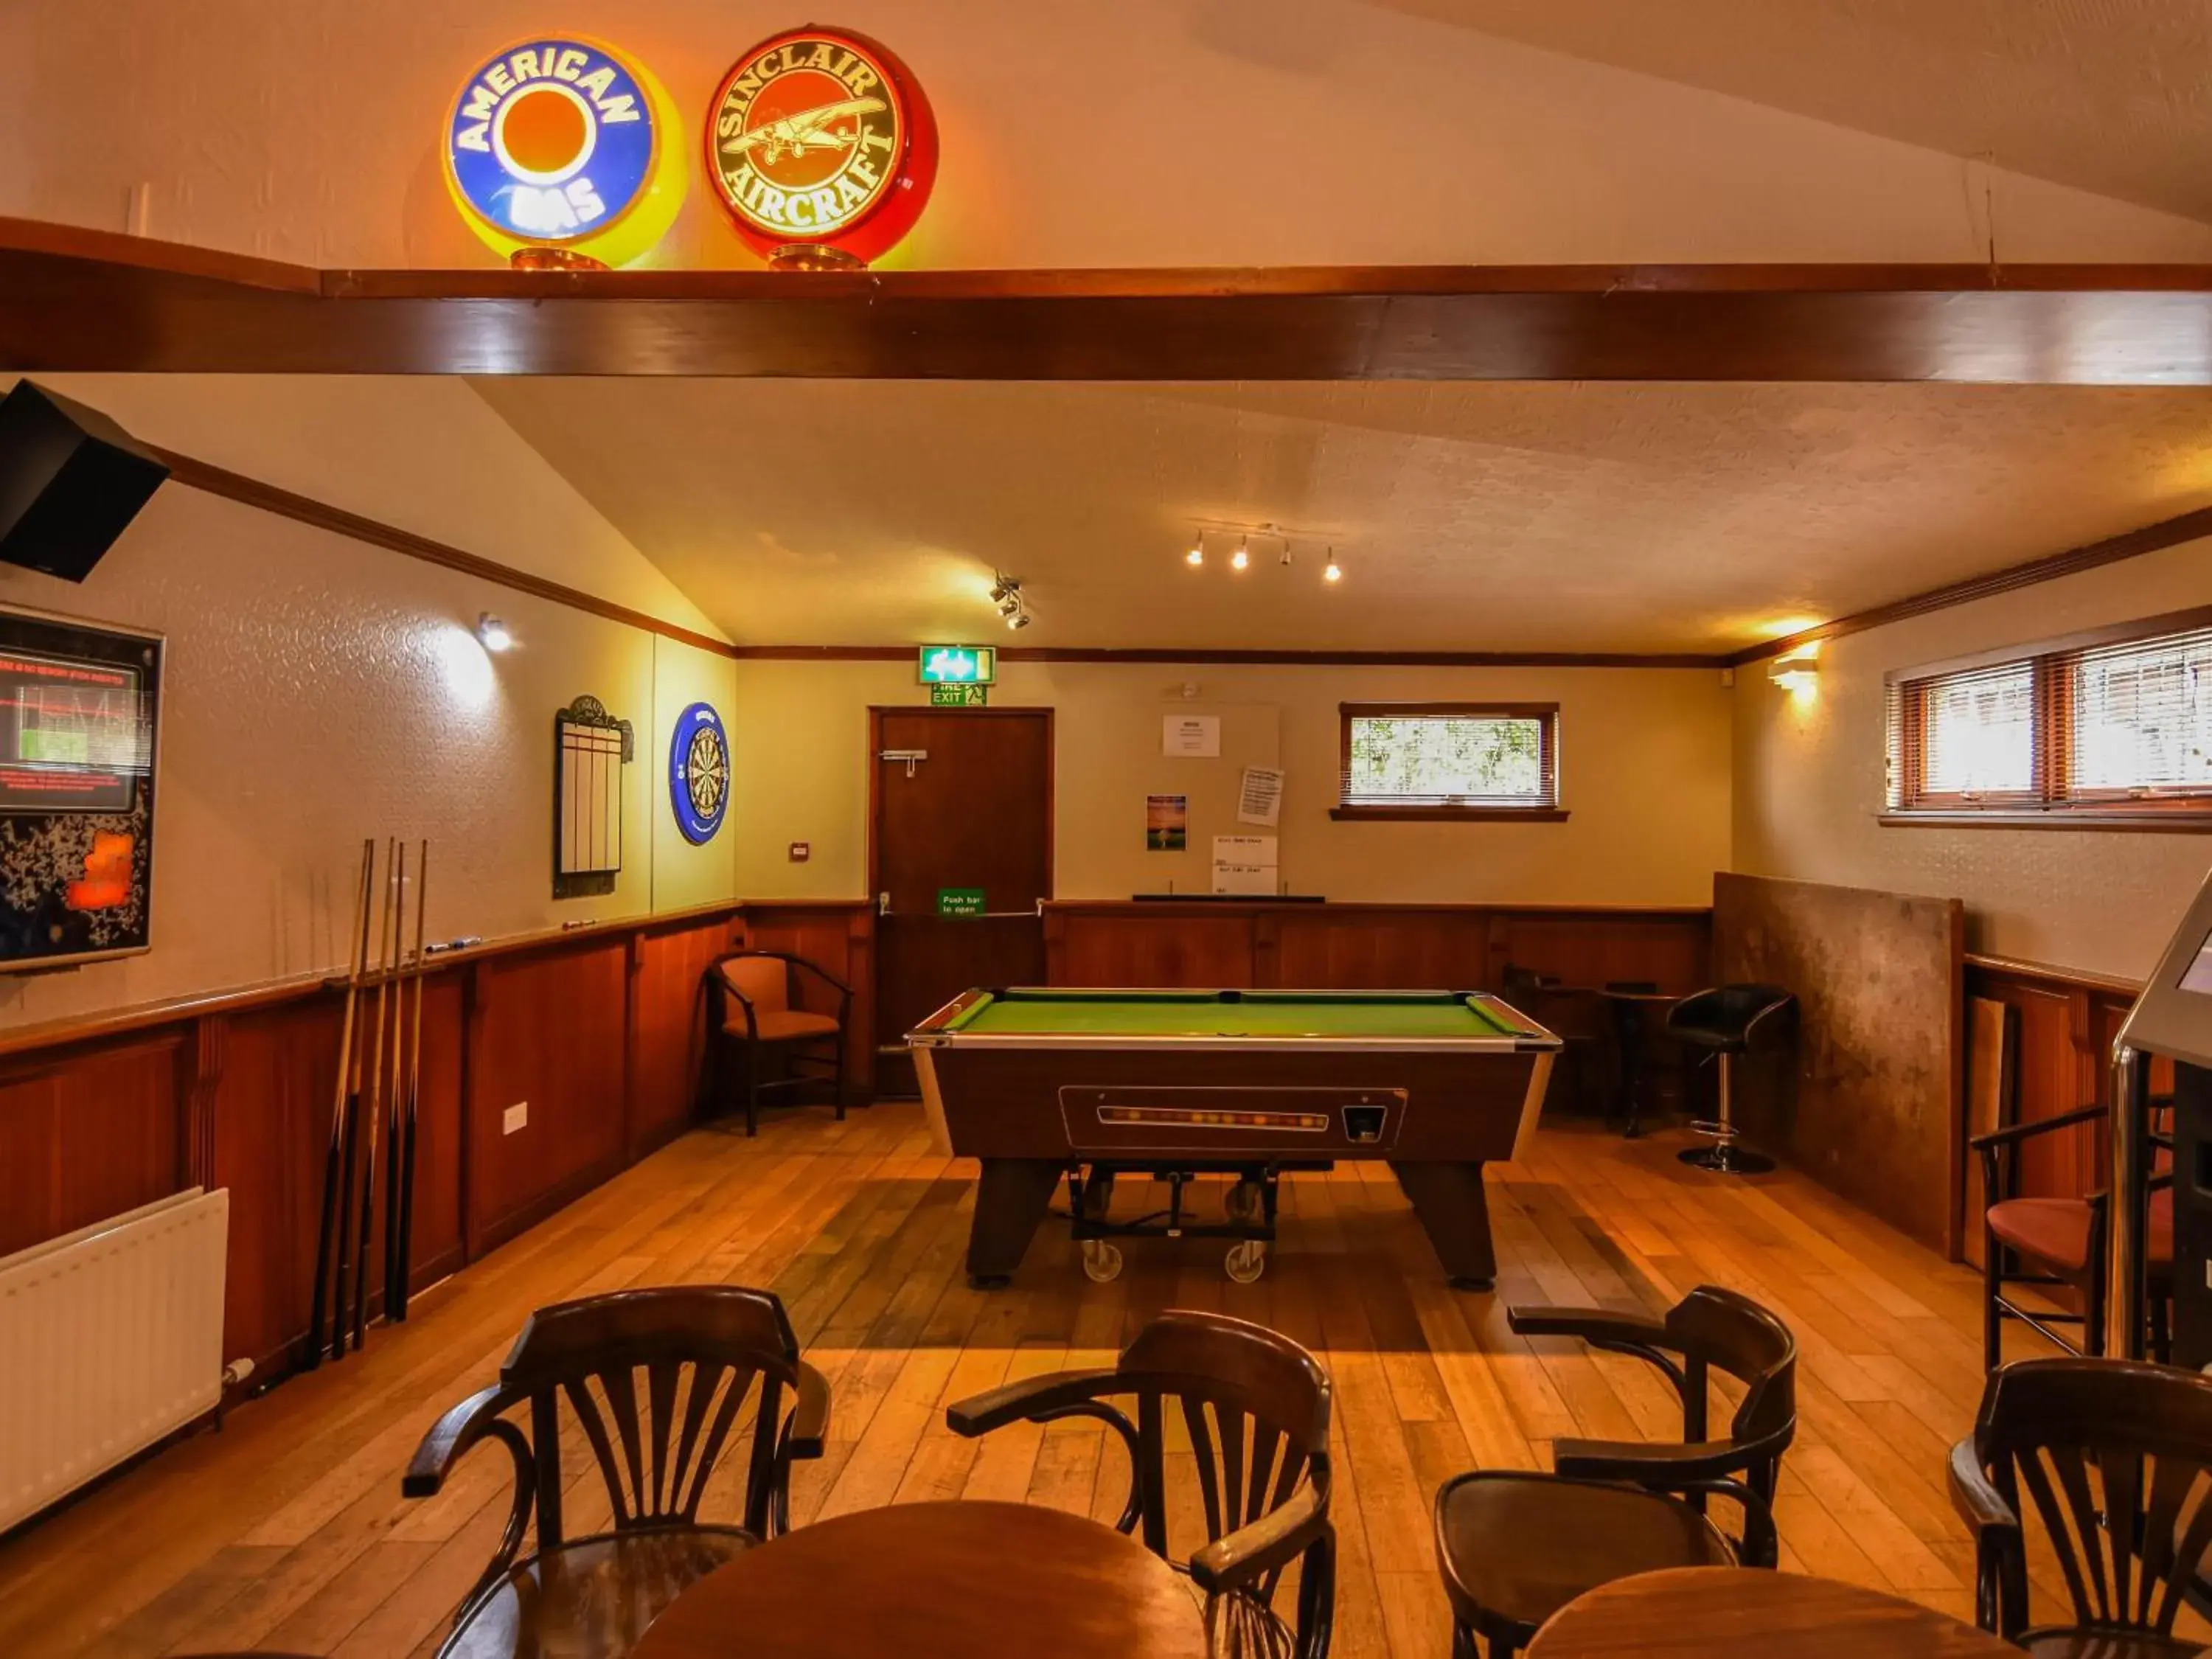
[(70, 481)]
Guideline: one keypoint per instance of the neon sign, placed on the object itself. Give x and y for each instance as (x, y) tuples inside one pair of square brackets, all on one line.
[(822, 147), (561, 142)]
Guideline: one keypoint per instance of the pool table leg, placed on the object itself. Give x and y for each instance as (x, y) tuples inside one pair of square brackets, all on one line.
[(1449, 1200), (1010, 1200)]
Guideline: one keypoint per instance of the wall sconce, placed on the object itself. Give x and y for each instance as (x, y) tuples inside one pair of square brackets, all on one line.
[(1797, 674), (493, 633)]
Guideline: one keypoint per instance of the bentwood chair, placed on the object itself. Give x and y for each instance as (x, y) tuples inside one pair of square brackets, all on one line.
[(761, 1017), (1256, 1408), (2110, 1452), (2059, 1244), (1515, 1546), (654, 1381)]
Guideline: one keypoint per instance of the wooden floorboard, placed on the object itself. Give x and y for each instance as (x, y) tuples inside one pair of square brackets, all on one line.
[(287, 1529)]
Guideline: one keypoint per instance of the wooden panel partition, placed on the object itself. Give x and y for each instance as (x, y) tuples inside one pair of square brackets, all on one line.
[(1875, 1111), (1369, 946)]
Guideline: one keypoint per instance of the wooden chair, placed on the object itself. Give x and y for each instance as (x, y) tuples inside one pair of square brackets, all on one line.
[(757, 1014), (2062, 1241), (1257, 1406), (654, 1380), (2110, 1452), (1515, 1546)]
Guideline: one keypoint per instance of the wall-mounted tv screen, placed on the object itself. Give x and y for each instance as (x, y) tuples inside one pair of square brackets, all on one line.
[(80, 707)]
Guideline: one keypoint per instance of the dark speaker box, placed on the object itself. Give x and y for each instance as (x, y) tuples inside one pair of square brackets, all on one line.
[(70, 481)]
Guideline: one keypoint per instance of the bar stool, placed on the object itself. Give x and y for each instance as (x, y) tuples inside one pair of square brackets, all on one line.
[(1729, 1020)]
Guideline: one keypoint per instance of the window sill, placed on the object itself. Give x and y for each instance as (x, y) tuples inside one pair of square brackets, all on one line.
[(1452, 814), (2168, 819)]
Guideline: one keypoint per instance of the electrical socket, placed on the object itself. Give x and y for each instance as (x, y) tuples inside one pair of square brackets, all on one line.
[(514, 1117)]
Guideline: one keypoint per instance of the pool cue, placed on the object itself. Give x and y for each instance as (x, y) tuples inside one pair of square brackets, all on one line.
[(342, 1276), (391, 1113), (357, 955), (387, 950), (403, 1242)]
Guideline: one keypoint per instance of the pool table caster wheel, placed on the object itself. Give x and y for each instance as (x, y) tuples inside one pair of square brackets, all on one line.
[(1245, 1263), (1102, 1261), (1242, 1203)]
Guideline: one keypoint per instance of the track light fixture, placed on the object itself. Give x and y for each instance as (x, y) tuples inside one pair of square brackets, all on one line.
[(1241, 558), (1006, 595)]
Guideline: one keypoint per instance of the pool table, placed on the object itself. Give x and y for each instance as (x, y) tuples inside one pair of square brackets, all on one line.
[(1042, 1084)]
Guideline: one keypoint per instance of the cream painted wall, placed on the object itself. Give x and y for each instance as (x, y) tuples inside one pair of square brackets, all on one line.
[(423, 452), (1645, 769), (1153, 132), (1809, 778), (318, 690)]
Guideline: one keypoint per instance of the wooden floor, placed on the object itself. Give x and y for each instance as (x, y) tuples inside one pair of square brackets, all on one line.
[(287, 1529)]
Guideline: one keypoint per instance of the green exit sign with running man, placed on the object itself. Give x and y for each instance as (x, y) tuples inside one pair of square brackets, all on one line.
[(959, 664)]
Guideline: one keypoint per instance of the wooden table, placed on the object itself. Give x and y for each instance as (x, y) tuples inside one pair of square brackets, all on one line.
[(918, 1579), (1771, 1615)]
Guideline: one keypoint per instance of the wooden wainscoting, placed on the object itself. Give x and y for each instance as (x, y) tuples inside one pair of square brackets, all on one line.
[(601, 1031), (2068, 1020), (1369, 947)]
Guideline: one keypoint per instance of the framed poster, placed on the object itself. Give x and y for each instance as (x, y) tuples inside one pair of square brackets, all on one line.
[(590, 749), (80, 707)]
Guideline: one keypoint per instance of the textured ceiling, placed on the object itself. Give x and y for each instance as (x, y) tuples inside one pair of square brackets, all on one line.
[(1468, 516), (2113, 96)]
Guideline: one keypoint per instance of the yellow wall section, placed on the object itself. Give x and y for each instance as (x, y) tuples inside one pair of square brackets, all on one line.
[(1810, 779), (1646, 764), (318, 690)]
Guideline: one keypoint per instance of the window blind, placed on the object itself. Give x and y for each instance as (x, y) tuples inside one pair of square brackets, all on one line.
[(2140, 718)]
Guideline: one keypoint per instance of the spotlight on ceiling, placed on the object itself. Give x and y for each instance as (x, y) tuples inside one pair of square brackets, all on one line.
[(1243, 555), (1331, 572), (493, 633), (1197, 554)]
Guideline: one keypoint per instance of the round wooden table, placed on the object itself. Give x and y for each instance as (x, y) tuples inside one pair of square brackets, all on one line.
[(1773, 1615), (917, 1579)]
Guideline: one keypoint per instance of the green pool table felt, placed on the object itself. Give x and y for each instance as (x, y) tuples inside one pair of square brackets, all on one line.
[(1256, 1014)]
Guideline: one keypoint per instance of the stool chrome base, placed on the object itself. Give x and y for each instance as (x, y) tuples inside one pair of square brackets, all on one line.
[(1726, 1157)]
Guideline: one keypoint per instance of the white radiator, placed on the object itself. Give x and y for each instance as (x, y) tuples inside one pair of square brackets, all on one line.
[(110, 1338)]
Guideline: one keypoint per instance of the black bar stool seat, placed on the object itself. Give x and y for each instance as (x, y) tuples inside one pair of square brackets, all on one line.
[(1729, 1021)]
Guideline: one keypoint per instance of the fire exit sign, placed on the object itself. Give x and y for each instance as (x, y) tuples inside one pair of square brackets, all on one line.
[(959, 696), (958, 665)]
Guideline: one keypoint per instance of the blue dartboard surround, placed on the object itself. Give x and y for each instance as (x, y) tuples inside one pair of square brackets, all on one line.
[(696, 745)]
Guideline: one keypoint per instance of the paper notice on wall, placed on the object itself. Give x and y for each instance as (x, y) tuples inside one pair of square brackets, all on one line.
[(1261, 799), (1191, 737), (1246, 864)]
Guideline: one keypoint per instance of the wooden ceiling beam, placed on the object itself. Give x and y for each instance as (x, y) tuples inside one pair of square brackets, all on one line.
[(73, 300)]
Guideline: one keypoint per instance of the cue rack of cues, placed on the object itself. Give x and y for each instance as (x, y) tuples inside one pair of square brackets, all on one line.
[(374, 1109)]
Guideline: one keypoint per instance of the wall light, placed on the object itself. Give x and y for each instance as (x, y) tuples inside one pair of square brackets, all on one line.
[(1197, 554), (1243, 555), (1331, 572), (1799, 673), (493, 633)]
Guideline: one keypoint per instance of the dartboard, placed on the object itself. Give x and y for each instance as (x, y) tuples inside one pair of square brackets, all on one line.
[(699, 772)]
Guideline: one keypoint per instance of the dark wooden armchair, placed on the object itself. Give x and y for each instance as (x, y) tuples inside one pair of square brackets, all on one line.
[(758, 1015), (1257, 1406), (2059, 1243), (2111, 1453), (1517, 1546), (654, 1380)]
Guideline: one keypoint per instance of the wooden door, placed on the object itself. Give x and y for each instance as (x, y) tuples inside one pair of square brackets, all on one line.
[(961, 801)]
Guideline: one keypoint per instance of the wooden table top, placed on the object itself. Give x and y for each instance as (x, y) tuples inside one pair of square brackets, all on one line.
[(1773, 1616), (913, 1580)]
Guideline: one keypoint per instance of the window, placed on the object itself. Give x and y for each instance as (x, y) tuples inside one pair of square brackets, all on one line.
[(1451, 760), (2104, 727)]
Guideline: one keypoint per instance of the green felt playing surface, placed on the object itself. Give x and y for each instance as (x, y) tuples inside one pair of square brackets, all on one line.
[(1254, 1014)]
